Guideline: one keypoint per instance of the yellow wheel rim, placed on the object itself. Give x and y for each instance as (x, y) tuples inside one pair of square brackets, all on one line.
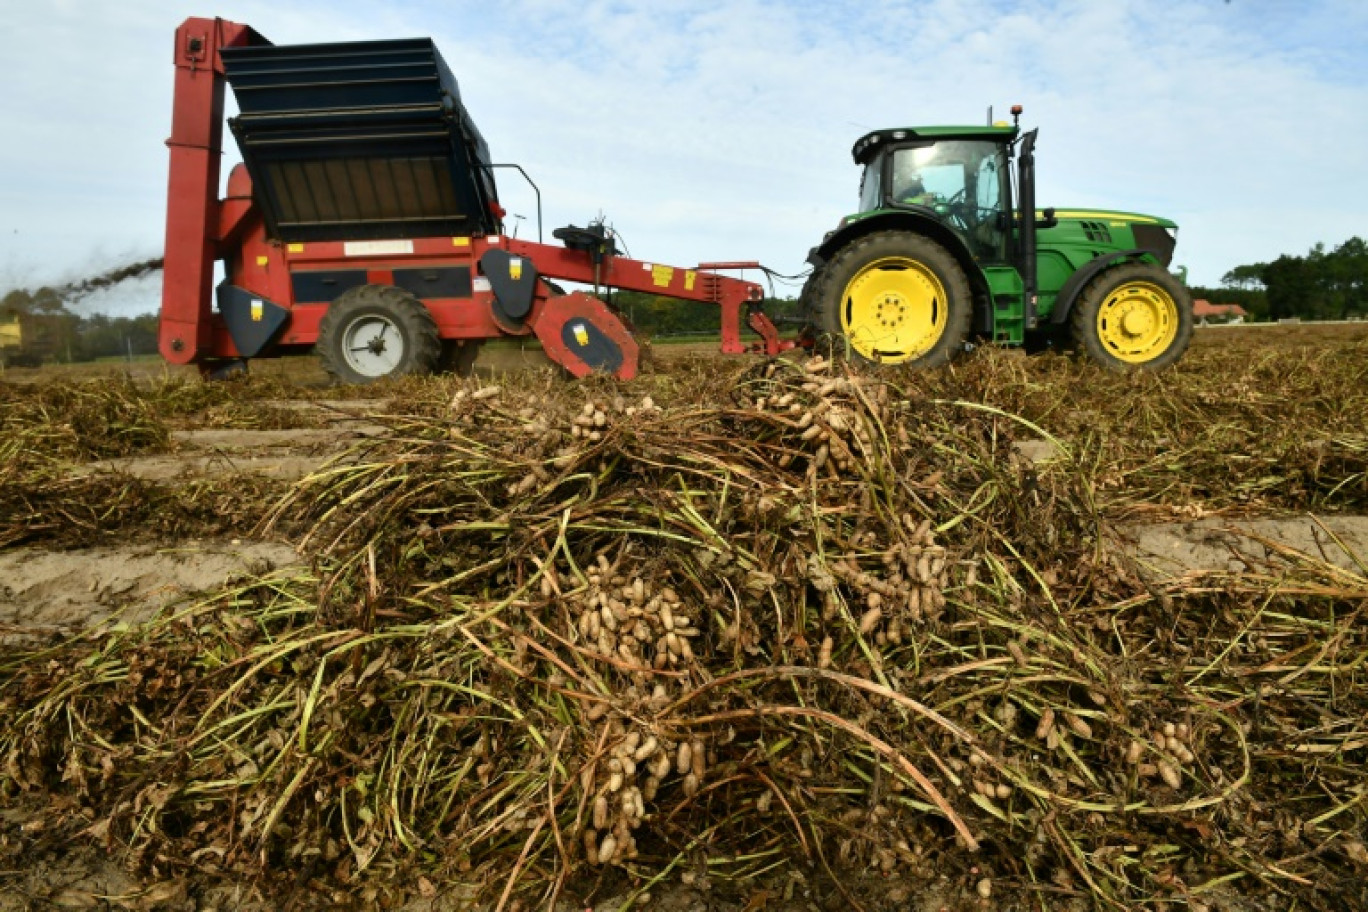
[(894, 310), (1137, 322)]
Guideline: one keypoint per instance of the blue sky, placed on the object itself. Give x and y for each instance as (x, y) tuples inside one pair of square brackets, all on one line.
[(722, 130)]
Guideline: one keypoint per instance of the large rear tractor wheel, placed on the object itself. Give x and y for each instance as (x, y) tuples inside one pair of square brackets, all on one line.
[(1133, 316), (893, 297), (377, 331)]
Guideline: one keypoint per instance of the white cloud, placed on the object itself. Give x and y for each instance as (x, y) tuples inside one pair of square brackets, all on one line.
[(721, 130)]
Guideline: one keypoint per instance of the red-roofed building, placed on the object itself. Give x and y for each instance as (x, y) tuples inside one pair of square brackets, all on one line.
[(1204, 312)]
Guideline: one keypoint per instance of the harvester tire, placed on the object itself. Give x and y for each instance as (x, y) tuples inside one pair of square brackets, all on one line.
[(893, 297), (377, 331), (1130, 317), (458, 356)]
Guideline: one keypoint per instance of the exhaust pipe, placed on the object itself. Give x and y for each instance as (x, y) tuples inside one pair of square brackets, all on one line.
[(1026, 183)]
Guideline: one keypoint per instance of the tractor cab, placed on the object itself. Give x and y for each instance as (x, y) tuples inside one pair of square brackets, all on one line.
[(956, 175)]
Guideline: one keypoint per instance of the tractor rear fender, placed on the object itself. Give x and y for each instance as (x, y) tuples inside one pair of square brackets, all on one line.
[(916, 224), (1075, 284)]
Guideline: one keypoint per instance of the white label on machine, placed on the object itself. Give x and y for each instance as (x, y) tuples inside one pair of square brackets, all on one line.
[(480, 283), (376, 248)]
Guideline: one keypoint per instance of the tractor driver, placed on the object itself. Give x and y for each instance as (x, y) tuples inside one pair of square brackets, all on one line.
[(914, 192), (908, 187)]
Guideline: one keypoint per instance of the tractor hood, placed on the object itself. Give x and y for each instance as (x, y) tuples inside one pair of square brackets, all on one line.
[(1109, 216), (1108, 229)]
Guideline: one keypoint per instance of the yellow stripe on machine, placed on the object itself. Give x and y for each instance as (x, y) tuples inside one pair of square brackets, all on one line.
[(1114, 216)]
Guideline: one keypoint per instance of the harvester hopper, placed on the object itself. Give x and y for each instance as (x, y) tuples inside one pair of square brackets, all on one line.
[(356, 141)]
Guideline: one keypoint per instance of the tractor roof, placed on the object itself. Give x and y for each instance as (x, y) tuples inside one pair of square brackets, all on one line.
[(871, 143)]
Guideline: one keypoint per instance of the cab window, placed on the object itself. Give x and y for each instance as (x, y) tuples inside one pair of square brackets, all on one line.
[(871, 192), (959, 182)]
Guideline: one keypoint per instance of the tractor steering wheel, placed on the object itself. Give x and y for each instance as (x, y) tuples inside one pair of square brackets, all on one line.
[(959, 210)]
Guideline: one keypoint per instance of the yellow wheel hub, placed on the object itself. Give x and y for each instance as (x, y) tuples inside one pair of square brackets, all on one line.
[(1137, 322), (894, 310)]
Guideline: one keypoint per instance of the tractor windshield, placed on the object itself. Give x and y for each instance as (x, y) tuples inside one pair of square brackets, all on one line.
[(963, 182)]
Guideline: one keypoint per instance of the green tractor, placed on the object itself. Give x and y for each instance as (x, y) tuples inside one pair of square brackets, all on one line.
[(940, 251)]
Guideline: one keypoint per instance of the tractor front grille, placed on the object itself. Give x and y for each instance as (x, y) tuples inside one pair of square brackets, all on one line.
[(1156, 240)]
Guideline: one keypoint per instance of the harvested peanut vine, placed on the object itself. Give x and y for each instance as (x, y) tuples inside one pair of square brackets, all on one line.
[(563, 639)]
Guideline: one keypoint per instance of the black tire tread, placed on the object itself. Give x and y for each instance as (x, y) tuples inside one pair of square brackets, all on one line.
[(459, 356)]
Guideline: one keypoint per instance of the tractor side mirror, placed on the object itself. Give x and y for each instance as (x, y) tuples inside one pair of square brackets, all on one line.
[(1049, 221)]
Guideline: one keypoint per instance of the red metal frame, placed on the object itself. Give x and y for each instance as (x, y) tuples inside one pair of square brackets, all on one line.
[(200, 229), (193, 209)]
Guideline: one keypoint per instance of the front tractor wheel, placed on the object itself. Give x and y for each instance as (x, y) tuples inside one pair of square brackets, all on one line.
[(1134, 316), (895, 298), (377, 331)]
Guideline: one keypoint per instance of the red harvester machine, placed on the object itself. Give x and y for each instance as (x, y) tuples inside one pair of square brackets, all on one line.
[(365, 224)]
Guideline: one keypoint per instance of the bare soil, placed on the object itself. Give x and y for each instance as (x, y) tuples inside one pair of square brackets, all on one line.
[(49, 591), (284, 454), (1177, 549)]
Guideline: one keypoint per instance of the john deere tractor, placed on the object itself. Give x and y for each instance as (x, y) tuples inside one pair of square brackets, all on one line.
[(941, 249)]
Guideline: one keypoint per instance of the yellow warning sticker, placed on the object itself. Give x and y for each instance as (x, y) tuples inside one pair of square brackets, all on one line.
[(689, 276), (460, 242), (262, 261), (581, 334), (295, 248), (662, 276), (515, 269), (257, 310)]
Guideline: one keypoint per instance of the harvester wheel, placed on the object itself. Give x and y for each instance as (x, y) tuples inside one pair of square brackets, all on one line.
[(458, 356), (376, 331), (894, 297), (1133, 316)]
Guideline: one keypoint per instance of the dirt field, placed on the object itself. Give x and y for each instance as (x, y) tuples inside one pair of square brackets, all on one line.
[(135, 496)]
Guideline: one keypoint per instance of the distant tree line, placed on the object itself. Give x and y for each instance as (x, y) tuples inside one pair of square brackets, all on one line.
[(653, 315), (52, 332), (1325, 284)]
